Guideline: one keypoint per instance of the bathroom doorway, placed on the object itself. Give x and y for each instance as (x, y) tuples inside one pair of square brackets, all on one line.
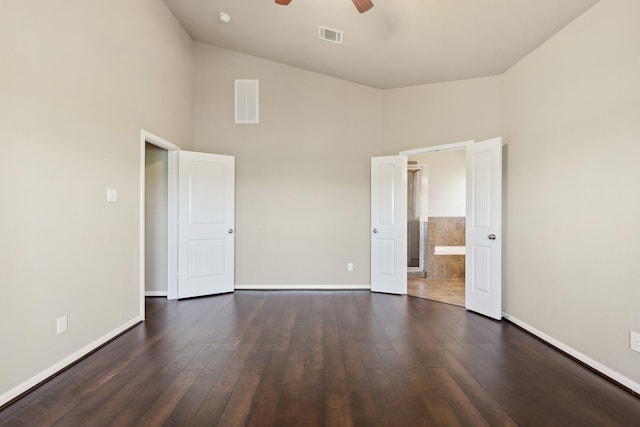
[(436, 210)]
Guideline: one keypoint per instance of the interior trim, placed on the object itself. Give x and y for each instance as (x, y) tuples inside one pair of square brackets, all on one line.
[(42, 377), (602, 370), (301, 287), (155, 293)]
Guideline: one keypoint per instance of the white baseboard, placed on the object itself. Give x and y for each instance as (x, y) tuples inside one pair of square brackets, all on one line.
[(155, 293), (43, 375), (302, 287), (604, 370)]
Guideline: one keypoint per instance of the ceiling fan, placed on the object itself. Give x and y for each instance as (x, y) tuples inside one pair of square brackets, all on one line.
[(361, 5)]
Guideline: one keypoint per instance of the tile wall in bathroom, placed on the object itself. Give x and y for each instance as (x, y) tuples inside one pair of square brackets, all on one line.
[(445, 231)]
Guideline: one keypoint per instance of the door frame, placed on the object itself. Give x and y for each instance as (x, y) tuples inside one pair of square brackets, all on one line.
[(462, 145), (172, 214)]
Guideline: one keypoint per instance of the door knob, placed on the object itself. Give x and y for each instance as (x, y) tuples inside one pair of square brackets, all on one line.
[(492, 237), (375, 231), (230, 231)]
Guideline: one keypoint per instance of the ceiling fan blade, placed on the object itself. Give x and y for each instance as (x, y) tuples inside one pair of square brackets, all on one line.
[(363, 5), (283, 2)]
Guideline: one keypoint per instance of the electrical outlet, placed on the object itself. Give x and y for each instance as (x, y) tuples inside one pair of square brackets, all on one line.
[(61, 324), (634, 341), (349, 266)]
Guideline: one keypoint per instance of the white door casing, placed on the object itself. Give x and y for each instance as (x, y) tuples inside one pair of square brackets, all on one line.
[(388, 224), (206, 224), (483, 285)]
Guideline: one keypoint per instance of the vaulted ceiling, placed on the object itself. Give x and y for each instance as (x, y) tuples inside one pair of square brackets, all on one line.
[(397, 43)]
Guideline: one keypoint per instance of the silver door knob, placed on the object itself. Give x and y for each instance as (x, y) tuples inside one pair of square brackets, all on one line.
[(375, 231), (492, 236), (230, 231)]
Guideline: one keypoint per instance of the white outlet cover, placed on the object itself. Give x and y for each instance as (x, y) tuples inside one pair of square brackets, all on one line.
[(350, 266)]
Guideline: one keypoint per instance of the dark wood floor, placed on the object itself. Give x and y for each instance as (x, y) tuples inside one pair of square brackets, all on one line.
[(323, 358)]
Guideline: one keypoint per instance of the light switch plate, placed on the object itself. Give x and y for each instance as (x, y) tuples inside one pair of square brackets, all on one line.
[(634, 341), (61, 324), (112, 195)]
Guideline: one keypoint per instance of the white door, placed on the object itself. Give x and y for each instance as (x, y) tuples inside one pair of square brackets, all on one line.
[(206, 197), (388, 224), (483, 292)]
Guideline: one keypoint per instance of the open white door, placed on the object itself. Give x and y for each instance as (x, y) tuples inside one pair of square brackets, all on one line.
[(388, 224), (483, 292), (206, 198)]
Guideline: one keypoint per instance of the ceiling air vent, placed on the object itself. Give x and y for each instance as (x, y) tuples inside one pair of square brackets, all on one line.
[(330, 35)]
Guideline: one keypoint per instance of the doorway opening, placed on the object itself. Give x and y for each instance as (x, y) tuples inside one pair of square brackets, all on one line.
[(157, 151), (156, 220), (436, 217), (482, 218)]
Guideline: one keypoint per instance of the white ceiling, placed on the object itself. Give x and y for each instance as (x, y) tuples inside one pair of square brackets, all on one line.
[(397, 43)]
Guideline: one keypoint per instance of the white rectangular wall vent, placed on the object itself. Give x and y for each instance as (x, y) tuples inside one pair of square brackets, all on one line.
[(330, 35), (246, 94)]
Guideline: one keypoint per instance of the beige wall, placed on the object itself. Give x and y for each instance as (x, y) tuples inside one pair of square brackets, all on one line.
[(156, 221), (302, 174), (443, 113), (302, 197), (447, 172), (79, 79), (571, 113), (302, 206)]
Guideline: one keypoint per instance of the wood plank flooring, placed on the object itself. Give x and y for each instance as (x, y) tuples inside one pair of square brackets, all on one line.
[(330, 358)]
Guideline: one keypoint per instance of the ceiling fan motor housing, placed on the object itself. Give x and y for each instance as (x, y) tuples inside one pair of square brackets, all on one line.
[(361, 5)]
